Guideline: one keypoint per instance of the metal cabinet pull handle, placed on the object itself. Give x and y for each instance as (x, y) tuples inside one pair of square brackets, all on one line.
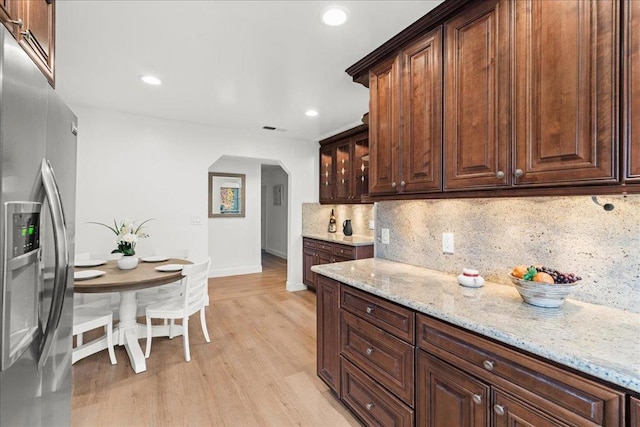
[(402, 183), (488, 365), (477, 399), (393, 185), (369, 406), (370, 309), (500, 174), (498, 409), (518, 173), (369, 351), (17, 22)]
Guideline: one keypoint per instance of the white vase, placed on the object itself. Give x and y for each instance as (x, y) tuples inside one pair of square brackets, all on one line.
[(127, 262)]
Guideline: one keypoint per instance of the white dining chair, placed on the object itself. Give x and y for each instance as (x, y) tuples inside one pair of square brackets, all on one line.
[(87, 318), (182, 303), (148, 296)]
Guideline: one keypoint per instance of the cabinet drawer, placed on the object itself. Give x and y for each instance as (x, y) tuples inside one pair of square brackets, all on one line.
[(391, 318), (325, 247), (372, 403), (538, 381), (308, 243), (344, 251), (383, 357)]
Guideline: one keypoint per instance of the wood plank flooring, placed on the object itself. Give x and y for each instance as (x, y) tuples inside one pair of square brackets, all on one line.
[(258, 370)]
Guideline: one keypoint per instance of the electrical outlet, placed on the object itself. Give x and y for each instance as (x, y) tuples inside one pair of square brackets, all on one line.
[(447, 243), (385, 236), (372, 225)]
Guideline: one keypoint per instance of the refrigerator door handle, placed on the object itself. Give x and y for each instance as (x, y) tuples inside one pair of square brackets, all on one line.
[(61, 256)]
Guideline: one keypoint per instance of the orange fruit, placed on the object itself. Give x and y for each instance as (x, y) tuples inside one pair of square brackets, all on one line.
[(543, 277), (519, 271)]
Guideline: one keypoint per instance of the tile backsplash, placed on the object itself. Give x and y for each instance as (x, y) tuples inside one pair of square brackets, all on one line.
[(315, 218), (570, 234)]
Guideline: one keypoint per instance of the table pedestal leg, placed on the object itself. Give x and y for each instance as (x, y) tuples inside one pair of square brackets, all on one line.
[(128, 331)]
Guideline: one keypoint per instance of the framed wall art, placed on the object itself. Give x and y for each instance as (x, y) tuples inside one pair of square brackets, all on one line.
[(277, 194), (226, 195)]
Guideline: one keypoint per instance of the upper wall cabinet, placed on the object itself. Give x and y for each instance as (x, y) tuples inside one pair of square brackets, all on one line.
[(32, 23), (344, 166), (476, 97), (531, 102), (565, 91), (405, 120), (631, 85)]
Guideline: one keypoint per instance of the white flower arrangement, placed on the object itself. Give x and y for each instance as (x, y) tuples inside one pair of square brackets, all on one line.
[(127, 234)]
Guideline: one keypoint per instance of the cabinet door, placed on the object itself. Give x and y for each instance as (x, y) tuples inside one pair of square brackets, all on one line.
[(326, 175), (631, 110), (384, 117), (448, 396), (324, 258), (308, 260), (38, 34), (328, 333), (476, 97), (8, 13), (565, 91), (634, 409), (343, 172), (509, 411), (360, 166), (422, 114)]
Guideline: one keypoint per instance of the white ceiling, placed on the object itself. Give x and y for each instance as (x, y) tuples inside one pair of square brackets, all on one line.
[(234, 64)]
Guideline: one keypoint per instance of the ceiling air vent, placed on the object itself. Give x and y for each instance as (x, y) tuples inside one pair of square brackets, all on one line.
[(273, 128)]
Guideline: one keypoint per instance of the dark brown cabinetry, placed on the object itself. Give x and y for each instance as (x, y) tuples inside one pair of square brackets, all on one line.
[(328, 333), (531, 101), (317, 252), (631, 91), (344, 166), (32, 23), (406, 119), (522, 388), (476, 97), (565, 91), (453, 378), (448, 396), (634, 412)]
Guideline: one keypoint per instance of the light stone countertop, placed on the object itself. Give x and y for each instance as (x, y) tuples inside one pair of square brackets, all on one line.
[(342, 239), (597, 340)]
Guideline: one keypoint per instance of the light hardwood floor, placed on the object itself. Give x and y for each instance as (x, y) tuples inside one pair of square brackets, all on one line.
[(258, 370)]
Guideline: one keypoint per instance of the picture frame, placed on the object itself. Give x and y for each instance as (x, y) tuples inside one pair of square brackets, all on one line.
[(277, 194), (226, 195)]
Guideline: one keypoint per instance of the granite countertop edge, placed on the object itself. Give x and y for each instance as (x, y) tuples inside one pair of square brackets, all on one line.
[(355, 240), (443, 294)]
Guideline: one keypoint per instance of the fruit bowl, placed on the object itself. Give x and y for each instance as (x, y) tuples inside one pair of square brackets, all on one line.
[(542, 294)]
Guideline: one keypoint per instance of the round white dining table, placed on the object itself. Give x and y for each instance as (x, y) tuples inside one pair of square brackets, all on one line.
[(127, 283)]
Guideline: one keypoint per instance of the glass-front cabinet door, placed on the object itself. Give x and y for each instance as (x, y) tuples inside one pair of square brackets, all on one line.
[(361, 165), (343, 172), (326, 174)]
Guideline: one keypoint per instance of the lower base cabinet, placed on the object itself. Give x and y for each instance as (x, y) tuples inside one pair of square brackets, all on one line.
[(371, 402), (392, 366), (449, 397)]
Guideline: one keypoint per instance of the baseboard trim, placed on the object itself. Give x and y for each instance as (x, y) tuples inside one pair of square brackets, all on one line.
[(224, 272), (295, 287), (277, 253)]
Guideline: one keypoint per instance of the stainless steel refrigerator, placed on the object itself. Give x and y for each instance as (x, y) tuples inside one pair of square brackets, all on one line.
[(37, 215)]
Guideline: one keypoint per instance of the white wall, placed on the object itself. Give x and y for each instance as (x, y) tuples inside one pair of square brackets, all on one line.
[(234, 242), (276, 215), (141, 167)]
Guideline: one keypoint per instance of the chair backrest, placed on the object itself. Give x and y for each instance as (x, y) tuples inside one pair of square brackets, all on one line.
[(196, 285)]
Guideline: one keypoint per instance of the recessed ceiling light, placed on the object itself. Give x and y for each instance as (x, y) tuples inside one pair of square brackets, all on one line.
[(335, 15), (152, 80), (311, 113)]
